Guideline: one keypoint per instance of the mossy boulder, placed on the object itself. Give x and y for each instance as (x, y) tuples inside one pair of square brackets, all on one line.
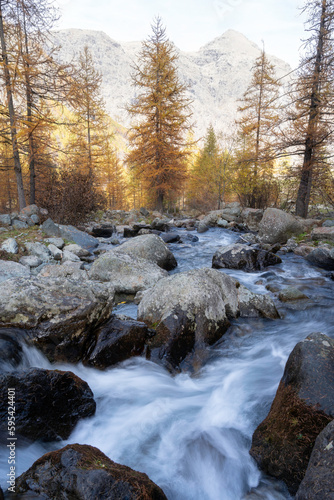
[(303, 406)]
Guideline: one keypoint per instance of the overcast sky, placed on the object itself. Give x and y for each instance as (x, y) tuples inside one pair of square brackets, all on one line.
[(193, 23)]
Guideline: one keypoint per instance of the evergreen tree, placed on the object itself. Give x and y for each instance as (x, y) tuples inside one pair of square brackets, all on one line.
[(256, 127), (158, 148)]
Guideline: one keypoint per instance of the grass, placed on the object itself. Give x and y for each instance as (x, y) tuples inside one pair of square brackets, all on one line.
[(31, 234)]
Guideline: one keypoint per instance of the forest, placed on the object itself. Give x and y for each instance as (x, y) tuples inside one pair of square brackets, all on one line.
[(58, 146)]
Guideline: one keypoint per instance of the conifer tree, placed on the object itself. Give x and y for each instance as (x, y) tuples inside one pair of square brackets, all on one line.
[(256, 126), (161, 109)]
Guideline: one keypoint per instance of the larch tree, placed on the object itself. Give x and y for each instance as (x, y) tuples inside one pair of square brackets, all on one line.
[(310, 116), (162, 111), (256, 126)]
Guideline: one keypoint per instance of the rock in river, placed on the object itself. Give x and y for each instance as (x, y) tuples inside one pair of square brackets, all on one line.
[(82, 472), (244, 257)]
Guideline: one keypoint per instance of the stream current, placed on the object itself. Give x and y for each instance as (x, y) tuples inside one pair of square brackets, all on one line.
[(191, 434)]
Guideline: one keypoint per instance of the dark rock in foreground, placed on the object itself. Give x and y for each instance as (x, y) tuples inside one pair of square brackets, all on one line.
[(303, 406), (239, 256), (10, 349), (48, 403), (82, 472), (318, 483), (118, 340)]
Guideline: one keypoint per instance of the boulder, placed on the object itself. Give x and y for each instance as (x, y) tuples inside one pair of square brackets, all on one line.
[(57, 242), (328, 223), (30, 210), (160, 225), (318, 483), (170, 237), (9, 270), (30, 261), (35, 219), (10, 246), (143, 211), (50, 228), (127, 274), (248, 258), (322, 257), (56, 253), (5, 220), (149, 247), (48, 403), (82, 472), (323, 233), (117, 340), (105, 231), (191, 310), (252, 217), (67, 270), (277, 226), (303, 406), (69, 257), (202, 227), (77, 250), (18, 224), (39, 250), (81, 238), (60, 314)]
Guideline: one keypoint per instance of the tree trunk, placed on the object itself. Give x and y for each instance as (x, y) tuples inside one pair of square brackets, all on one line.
[(11, 110)]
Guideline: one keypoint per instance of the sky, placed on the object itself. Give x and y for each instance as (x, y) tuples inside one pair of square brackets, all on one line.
[(190, 24)]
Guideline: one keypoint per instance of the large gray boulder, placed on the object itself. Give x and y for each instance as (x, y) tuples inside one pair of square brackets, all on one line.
[(127, 274), (10, 246), (277, 226), (248, 258), (191, 310), (60, 314), (9, 270), (323, 233), (303, 406), (38, 250), (81, 238), (82, 472), (322, 257), (318, 482), (149, 247)]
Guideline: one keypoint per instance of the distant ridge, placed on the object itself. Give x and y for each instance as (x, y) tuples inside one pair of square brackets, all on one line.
[(218, 73)]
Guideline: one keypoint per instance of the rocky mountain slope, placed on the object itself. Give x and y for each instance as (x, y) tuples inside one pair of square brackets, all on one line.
[(218, 74)]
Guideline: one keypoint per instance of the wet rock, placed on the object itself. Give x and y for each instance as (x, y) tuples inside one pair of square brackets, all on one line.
[(10, 246), (127, 274), (129, 232), (239, 256), (277, 226), (81, 238), (39, 250), (48, 403), (291, 294), (9, 270), (11, 353), (82, 472), (323, 233), (105, 231), (322, 257), (191, 310), (170, 237), (318, 481), (303, 406), (59, 313), (202, 227), (117, 340), (160, 225), (149, 247)]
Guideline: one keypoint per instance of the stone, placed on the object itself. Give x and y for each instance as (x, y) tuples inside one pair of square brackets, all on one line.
[(11, 353), (82, 472), (127, 274), (252, 217), (303, 250), (117, 340), (35, 219), (202, 227), (192, 310), (10, 246), (248, 258), (59, 314), (30, 261), (323, 233), (322, 257), (66, 270), (143, 211), (105, 231), (278, 226), (9, 270), (328, 223), (318, 481), (30, 210), (170, 237), (161, 225), (48, 403), (38, 250), (291, 294), (149, 247), (50, 228), (81, 238), (56, 253), (222, 223), (303, 406), (77, 250), (18, 224), (5, 219), (69, 256), (57, 242)]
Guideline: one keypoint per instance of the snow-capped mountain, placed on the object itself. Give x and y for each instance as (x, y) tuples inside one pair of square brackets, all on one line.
[(217, 75)]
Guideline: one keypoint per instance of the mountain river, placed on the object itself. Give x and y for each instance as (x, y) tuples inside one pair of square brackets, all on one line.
[(191, 434)]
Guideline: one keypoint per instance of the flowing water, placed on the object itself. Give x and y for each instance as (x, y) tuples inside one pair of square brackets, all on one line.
[(191, 434)]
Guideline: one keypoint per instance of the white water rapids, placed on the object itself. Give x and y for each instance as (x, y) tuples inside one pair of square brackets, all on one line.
[(191, 434)]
